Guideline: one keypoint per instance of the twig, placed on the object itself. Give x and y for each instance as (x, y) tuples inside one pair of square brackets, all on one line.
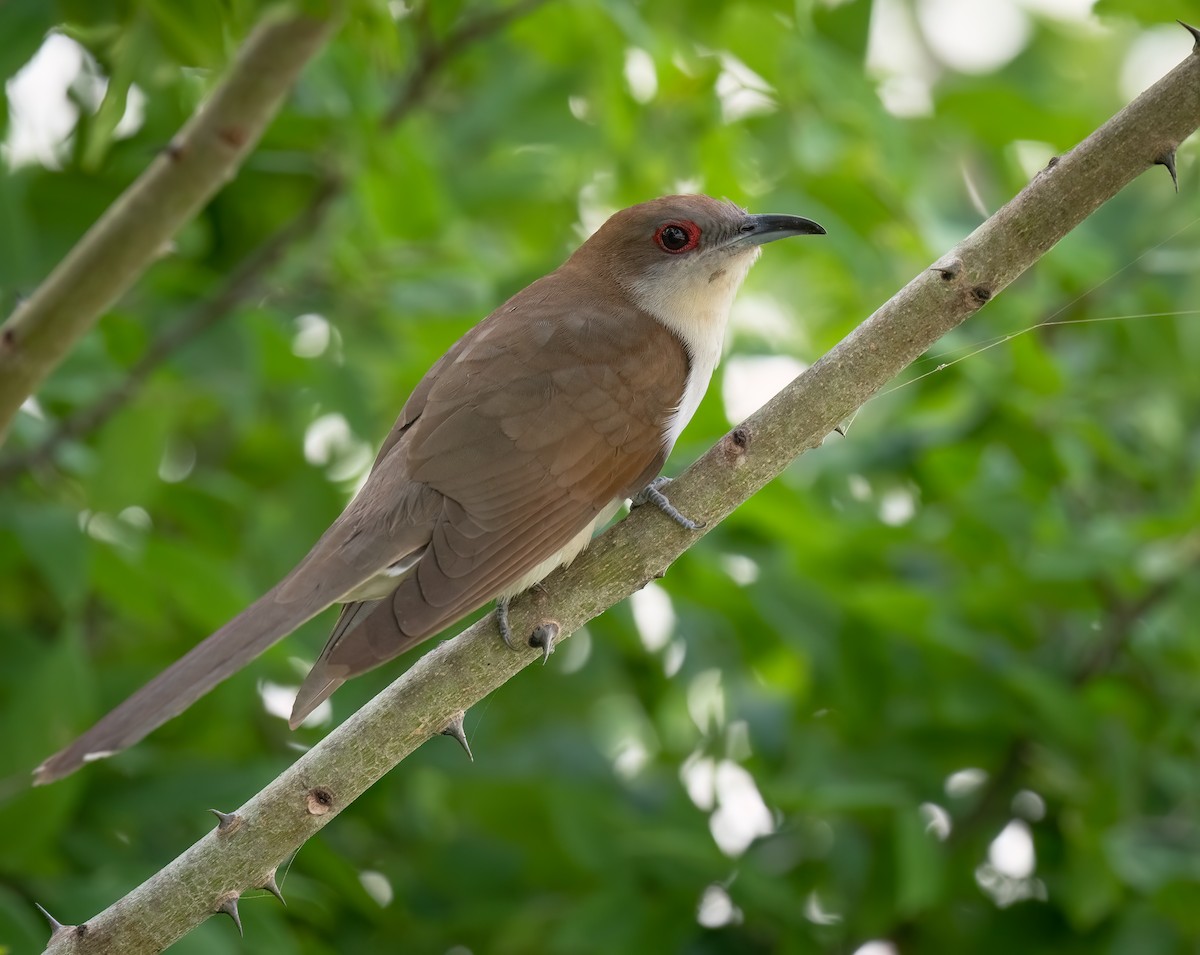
[(460, 672), (432, 56), (131, 233), (1123, 617), (242, 284)]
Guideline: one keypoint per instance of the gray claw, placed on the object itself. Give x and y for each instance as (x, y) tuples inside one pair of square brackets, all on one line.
[(502, 622), (651, 494)]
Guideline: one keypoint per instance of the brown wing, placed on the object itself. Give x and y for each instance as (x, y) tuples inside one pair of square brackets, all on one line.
[(497, 460), (528, 431), (391, 519)]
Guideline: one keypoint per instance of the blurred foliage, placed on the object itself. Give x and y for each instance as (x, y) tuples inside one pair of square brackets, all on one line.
[(936, 686)]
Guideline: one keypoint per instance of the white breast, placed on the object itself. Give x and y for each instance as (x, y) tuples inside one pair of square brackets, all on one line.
[(694, 302)]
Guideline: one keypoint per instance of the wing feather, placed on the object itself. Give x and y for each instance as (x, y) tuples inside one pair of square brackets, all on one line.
[(528, 439)]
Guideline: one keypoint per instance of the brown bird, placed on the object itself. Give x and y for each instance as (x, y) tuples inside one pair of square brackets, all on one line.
[(527, 435)]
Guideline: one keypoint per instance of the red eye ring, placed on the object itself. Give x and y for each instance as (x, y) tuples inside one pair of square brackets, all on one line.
[(677, 237)]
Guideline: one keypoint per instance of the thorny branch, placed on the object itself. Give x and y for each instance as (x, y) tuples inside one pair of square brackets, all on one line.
[(247, 845)]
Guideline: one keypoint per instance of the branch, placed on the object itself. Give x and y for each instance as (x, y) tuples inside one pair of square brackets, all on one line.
[(244, 851), (1122, 615), (131, 233), (432, 57), (244, 282)]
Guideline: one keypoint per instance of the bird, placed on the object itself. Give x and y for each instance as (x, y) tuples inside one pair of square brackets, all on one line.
[(527, 435)]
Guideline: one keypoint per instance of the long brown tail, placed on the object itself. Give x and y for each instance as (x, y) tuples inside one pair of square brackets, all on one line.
[(264, 622)]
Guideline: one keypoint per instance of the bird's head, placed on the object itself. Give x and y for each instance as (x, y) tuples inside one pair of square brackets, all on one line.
[(682, 258)]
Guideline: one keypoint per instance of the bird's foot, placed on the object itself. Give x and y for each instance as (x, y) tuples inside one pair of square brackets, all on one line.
[(652, 494), (543, 635), (502, 622)]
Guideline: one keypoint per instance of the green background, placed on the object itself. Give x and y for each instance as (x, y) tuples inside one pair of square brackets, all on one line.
[(975, 614)]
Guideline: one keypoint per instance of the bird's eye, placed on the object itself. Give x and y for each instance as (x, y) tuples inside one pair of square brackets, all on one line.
[(676, 237)]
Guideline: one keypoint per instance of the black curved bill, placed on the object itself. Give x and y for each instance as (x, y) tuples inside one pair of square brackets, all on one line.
[(761, 229)]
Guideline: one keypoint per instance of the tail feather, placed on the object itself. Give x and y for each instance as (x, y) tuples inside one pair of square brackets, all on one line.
[(315, 691), (322, 680), (376, 636), (247, 635)]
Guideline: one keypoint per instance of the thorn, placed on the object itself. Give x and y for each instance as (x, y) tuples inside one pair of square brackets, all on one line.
[(544, 637), (55, 925), (1195, 34), (227, 822), (502, 621), (454, 729), (273, 887), (948, 269), (1168, 159), (229, 907)]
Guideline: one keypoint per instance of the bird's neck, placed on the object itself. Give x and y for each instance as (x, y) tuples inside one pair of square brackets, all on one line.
[(696, 308)]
